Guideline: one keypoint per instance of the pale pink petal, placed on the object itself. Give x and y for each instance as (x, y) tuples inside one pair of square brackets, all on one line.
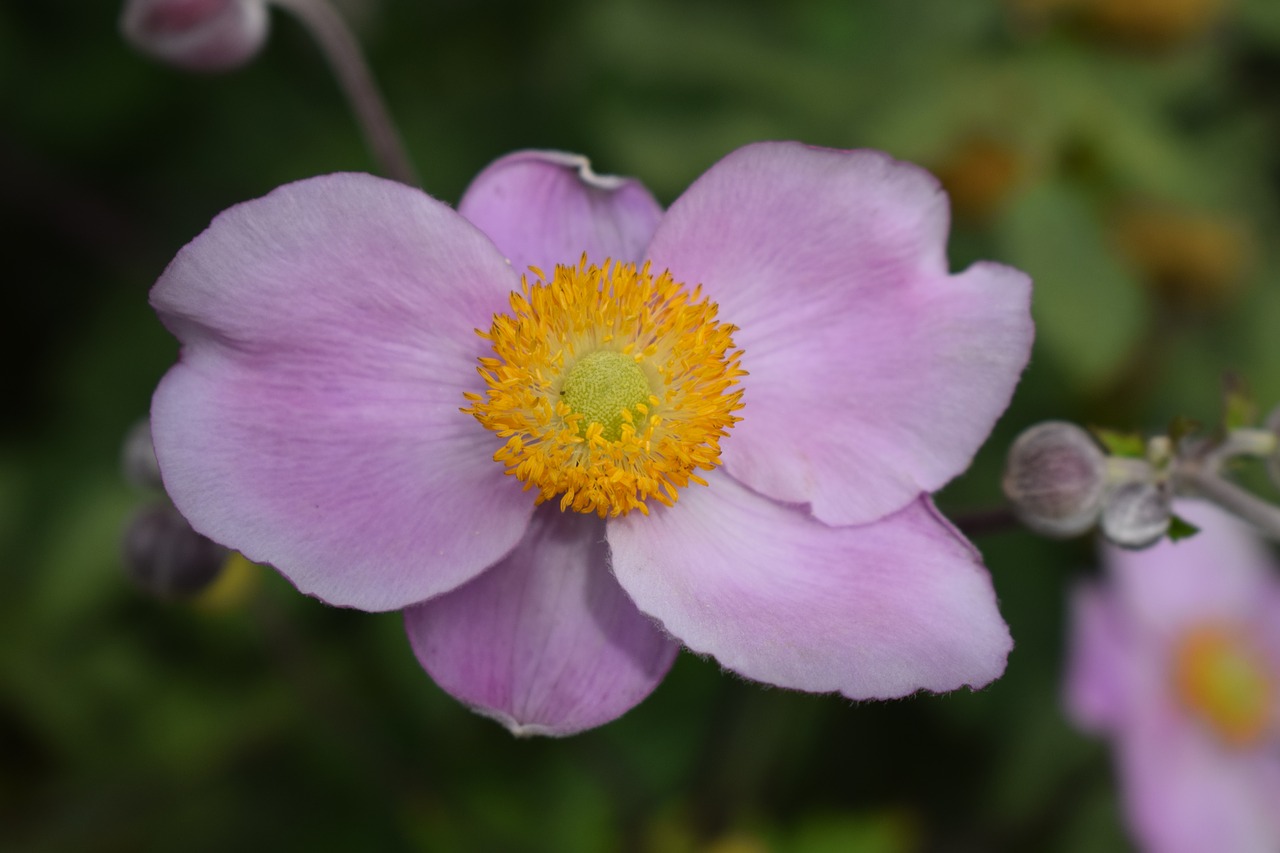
[(544, 208), (1186, 793), (874, 375), (313, 420), (874, 612), (1098, 692), (1265, 626), (1219, 574), (545, 642)]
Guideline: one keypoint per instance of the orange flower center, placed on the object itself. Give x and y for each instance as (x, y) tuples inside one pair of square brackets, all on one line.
[(610, 385), (1225, 681)]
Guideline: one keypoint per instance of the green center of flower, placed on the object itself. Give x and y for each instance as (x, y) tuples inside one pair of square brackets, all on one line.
[(603, 385), (609, 386)]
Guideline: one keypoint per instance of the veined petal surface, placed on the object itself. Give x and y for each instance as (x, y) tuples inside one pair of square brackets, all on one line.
[(873, 611), (313, 420), (545, 642), (874, 374), (544, 208)]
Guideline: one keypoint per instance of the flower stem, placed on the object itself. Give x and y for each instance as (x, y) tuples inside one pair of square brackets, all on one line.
[(342, 51), (1195, 480), (983, 522), (1248, 442)]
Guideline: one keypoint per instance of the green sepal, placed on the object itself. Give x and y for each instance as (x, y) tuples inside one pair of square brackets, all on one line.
[(1238, 408), (1120, 443), (1180, 528)]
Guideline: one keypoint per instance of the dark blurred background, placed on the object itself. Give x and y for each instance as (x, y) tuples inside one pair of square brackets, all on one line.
[(1124, 154)]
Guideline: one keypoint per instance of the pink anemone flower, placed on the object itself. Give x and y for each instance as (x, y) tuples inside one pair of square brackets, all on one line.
[(715, 426), (1175, 656)]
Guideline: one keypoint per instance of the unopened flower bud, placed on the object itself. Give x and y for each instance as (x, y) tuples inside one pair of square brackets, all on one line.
[(138, 457), (166, 557), (1136, 514), (198, 35), (1055, 477)]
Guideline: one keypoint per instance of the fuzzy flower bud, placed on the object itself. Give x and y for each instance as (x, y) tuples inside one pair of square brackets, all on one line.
[(138, 457), (197, 35), (166, 557), (1136, 514), (1055, 477)]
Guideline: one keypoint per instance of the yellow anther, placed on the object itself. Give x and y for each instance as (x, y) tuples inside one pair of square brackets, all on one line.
[(610, 386)]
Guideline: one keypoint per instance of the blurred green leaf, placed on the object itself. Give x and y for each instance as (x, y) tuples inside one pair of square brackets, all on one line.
[(1087, 308), (884, 832), (1182, 427), (1119, 443), (1239, 410)]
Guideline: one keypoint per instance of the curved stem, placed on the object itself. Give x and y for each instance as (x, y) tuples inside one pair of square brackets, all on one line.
[(1226, 494), (342, 51), (982, 522), (1246, 442)]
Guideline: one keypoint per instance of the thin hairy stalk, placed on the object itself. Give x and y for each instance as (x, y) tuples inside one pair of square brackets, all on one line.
[(984, 522), (1196, 480), (343, 53)]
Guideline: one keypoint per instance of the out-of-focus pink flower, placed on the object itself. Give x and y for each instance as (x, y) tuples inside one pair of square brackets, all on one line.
[(329, 344), (198, 35), (1176, 657)]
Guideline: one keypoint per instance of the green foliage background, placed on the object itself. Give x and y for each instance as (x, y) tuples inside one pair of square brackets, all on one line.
[(273, 721)]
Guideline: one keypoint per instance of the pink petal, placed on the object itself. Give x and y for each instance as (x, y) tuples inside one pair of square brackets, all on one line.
[(313, 421), (1220, 574), (874, 611), (1185, 793), (544, 208), (545, 642), (1098, 688), (874, 376)]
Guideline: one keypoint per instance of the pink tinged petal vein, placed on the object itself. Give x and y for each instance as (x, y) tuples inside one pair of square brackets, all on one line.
[(544, 208), (874, 611), (874, 375), (545, 642), (313, 419)]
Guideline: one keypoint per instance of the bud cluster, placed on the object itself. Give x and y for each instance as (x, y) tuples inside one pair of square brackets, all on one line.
[(1061, 481)]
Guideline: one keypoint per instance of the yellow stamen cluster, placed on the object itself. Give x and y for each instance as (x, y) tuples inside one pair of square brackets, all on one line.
[(611, 386), (1224, 680)]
